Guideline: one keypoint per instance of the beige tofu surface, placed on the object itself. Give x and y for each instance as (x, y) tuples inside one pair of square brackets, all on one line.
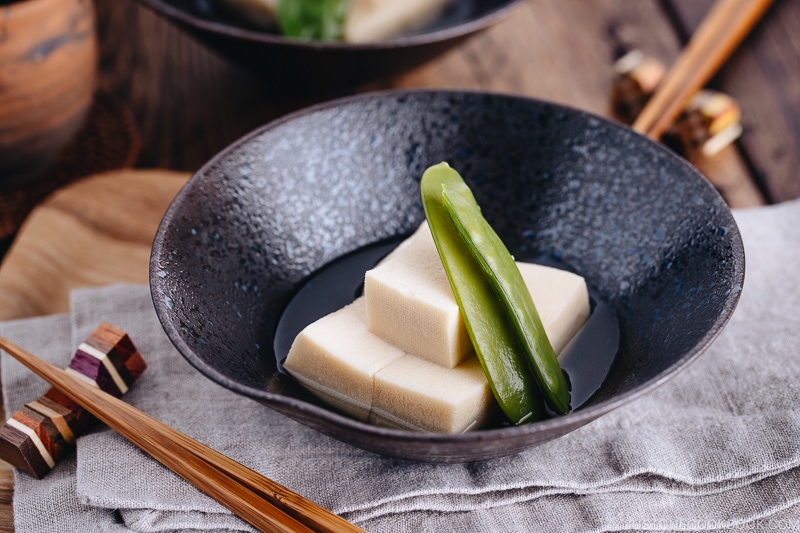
[(376, 20), (337, 358), (345, 365), (412, 393), (380, 380), (561, 299), (410, 302)]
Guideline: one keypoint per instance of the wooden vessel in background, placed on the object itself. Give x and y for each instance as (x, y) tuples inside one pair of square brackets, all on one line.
[(48, 71)]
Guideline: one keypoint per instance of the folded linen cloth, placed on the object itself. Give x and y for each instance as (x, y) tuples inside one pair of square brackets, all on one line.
[(717, 447)]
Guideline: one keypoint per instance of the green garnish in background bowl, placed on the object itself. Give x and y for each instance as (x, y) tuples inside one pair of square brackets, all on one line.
[(321, 20)]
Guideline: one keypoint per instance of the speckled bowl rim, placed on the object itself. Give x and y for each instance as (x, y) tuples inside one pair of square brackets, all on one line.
[(573, 420), (409, 41)]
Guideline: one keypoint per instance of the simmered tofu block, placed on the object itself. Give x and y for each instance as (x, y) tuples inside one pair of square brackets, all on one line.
[(411, 305), (375, 20), (412, 393), (337, 358), (400, 356), (561, 299), (357, 372)]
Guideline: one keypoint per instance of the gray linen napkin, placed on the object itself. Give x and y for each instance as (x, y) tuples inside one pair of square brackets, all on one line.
[(716, 447)]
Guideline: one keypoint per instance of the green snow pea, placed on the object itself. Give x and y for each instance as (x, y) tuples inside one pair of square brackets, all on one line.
[(499, 268), (492, 334)]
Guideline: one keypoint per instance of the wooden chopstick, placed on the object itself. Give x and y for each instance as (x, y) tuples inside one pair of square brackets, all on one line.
[(723, 28), (256, 499)]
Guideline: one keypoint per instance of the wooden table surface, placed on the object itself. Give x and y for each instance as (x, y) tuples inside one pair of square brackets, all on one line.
[(189, 103)]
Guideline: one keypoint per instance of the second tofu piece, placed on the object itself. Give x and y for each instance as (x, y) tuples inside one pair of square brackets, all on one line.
[(376, 20), (412, 393), (345, 365), (337, 358), (411, 305)]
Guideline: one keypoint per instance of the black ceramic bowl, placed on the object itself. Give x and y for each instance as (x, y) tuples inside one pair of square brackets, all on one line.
[(289, 64), (654, 240)]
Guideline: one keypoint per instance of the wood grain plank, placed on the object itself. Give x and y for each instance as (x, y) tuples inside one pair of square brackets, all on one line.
[(94, 233), (190, 103), (6, 495), (557, 50), (763, 76), (564, 51)]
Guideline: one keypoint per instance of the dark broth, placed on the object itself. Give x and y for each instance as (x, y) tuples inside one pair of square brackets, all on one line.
[(586, 359)]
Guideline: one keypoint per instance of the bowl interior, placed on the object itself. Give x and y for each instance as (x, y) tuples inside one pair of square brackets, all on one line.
[(654, 241)]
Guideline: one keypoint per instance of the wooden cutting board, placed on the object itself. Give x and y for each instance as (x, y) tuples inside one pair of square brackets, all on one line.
[(95, 232)]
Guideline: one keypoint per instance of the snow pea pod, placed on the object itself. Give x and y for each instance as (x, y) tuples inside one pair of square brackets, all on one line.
[(492, 334), (499, 268)]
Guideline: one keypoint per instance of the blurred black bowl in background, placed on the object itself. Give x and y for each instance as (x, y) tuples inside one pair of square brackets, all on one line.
[(290, 64)]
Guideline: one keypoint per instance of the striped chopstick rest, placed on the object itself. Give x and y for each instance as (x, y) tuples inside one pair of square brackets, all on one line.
[(109, 360), (43, 432)]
